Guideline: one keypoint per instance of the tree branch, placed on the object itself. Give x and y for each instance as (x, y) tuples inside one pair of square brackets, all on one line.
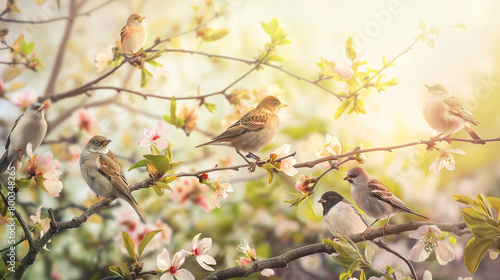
[(284, 259)]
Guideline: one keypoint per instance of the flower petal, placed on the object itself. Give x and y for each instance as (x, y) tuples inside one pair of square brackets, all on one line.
[(179, 259), (417, 253), (184, 274), (267, 272), (149, 132), (194, 243), (163, 260), (444, 252), (167, 276), (145, 142), (203, 260)]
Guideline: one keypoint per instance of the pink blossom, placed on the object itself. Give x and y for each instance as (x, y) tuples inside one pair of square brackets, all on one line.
[(25, 99), (199, 250), (343, 68), (445, 159), (250, 253), (87, 122), (302, 183), (286, 165), (267, 272), (172, 268), (429, 242), (191, 189), (45, 171), (221, 190), (45, 223), (154, 136), (105, 58), (331, 147)]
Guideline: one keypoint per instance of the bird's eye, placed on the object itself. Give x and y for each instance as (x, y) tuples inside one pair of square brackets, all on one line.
[(330, 197), (275, 103)]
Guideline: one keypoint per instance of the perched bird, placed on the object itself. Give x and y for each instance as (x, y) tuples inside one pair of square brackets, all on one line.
[(133, 34), (31, 126), (254, 130), (445, 114), (102, 172), (374, 198), (341, 217)]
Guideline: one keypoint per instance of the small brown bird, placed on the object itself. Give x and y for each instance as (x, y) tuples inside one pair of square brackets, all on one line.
[(375, 199), (253, 131), (103, 173), (445, 114), (133, 35)]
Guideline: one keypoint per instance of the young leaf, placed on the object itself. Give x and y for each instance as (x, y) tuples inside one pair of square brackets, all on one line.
[(342, 108), (128, 243), (349, 50), (141, 163), (158, 190), (173, 109), (3, 269), (145, 241), (474, 252), (210, 107), (116, 270), (23, 183), (161, 162)]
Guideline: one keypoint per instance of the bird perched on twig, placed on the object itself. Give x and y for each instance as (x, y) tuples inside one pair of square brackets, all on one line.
[(375, 199), (133, 34), (31, 126), (445, 114), (342, 218), (253, 131), (103, 173)]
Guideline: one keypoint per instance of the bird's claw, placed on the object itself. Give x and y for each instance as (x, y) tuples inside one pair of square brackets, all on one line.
[(432, 141), (334, 238), (252, 167), (365, 232)]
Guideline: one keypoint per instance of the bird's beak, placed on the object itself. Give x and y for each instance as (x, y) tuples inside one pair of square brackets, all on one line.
[(282, 106), (140, 19), (348, 178), (322, 200), (428, 87), (106, 142), (42, 107)]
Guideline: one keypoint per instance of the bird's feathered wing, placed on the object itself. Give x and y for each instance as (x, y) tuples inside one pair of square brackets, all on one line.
[(456, 109)]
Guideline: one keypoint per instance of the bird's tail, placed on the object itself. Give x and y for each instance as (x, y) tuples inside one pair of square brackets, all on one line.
[(474, 135), (381, 244), (134, 205)]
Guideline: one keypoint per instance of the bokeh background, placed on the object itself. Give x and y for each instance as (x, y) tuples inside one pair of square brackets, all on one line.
[(466, 61)]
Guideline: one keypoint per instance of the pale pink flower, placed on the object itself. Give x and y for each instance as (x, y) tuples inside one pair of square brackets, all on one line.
[(191, 189), (331, 147), (45, 223), (286, 165), (199, 250), (105, 58), (87, 122), (154, 136), (250, 253), (25, 99), (429, 242), (445, 159), (302, 183), (45, 171), (267, 272), (172, 268), (343, 68), (221, 190)]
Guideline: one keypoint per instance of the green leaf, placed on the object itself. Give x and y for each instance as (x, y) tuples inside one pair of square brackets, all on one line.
[(210, 107), (154, 63), (27, 48), (343, 261), (23, 183), (464, 199), (144, 80), (215, 35), (40, 62), (116, 270), (348, 247), (161, 162), (461, 25), (3, 269), (163, 186), (124, 270), (474, 252), (145, 241), (158, 190), (141, 163), (328, 242), (421, 25), (342, 108), (349, 50), (369, 253), (173, 109), (3, 208), (354, 266), (128, 243), (311, 206)]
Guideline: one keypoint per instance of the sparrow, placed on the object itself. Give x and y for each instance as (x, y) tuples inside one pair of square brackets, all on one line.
[(253, 131), (375, 199), (445, 114), (133, 34), (30, 126), (103, 173), (341, 217)]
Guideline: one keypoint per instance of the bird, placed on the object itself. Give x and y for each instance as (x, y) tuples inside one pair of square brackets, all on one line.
[(341, 217), (445, 114), (133, 34), (375, 199), (103, 173), (30, 126), (253, 131)]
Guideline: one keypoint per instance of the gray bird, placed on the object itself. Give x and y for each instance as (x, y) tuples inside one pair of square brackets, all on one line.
[(342, 218), (374, 198), (103, 173), (31, 126)]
